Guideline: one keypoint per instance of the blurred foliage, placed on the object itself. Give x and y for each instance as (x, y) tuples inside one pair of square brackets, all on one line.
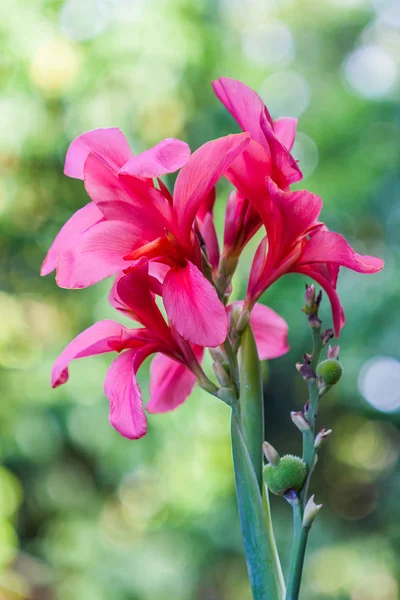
[(85, 513)]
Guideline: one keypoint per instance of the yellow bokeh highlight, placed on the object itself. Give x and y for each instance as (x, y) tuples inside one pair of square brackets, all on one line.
[(55, 66)]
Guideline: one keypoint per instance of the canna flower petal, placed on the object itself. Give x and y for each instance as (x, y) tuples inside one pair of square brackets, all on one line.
[(126, 199), (80, 221), (171, 383), (193, 306), (122, 390), (97, 253), (331, 247), (285, 131), (270, 331), (166, 157), (109, 145), (134, 291), (197, 178), (205, 220), (321, 274), (248, 109), (104, 336), (244, 104)]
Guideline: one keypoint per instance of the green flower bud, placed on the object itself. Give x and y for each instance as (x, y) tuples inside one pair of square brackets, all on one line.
[(290, 474), (330, 371)]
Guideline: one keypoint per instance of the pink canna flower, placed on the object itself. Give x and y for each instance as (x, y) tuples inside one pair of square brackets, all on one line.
[(130, 221), (174, 369), (297, 242), (268, 154), (176, 366)]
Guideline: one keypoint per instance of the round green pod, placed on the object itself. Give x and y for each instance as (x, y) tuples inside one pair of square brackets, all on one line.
[(290, 474), (330, 371)]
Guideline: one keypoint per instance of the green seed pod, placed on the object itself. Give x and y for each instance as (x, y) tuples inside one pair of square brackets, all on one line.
[(290, 474), (330, 371)]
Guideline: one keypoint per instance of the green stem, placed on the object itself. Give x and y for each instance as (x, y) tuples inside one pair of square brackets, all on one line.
[(247, 430), (298, 552), (300, 534)]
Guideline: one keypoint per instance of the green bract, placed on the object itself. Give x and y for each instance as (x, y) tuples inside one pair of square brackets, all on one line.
[(290, 474), (330, 371)]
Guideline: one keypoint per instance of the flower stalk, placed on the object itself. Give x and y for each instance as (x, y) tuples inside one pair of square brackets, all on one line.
[(247, 430)]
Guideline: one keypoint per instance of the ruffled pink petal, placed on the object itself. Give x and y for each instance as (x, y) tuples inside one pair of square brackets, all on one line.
[(97, 253), (209, 234), (244, 104), (321, 275), (256, 271), (197, 178), (285, 168), (166, 157), (113, 196), (248, 172), (80, 221), (122, 390), (207, 205), (330, 247), (158, 271), (285, 131), (134, 292), (270, 331), (109, 145), (104, 336), (171, 383), (193, 306), (288, 215)]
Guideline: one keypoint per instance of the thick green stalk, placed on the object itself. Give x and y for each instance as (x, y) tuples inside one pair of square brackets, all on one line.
[(247, 430), (298, 553)]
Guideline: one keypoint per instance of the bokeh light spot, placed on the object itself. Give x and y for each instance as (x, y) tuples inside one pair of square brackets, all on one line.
[(82, 21), (286, 94), (268, 44), (55, 66), (379, 383), (370, 71)]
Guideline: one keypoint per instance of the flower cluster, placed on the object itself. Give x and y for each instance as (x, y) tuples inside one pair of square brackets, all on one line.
[(163, 247)]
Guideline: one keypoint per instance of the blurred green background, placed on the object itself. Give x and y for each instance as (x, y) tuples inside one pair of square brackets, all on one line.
[(86, 514)]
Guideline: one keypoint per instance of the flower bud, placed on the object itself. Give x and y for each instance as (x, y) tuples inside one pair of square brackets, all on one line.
[(321, 437), (327, 335), (299, 420), (221, 374), (330, 371), (271, 454), (333, 352), (290, 474), (310, 297), (310, 512), (243, 322)]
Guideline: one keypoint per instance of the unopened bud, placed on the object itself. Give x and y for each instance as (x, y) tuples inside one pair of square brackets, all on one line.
[(243, 321), (327, 335), (271, 454), (290, 474), (221, 374), (306, 372), (333, 352), (235, 314), (299, 420), (310, 297), (321, 437), (330, 371), (310, 512), (217, 355)]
